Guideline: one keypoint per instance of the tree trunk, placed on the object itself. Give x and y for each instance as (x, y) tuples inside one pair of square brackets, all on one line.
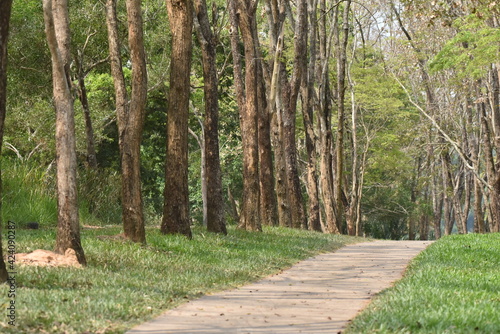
[(176, 207), (68, 226), (215, 202), (5, 10), (308, 98), (491, 171), (289, 117), (89, 130), (243, 16), (130, 117), (448, 190), (341, 87), (268, 202), (325, 132)]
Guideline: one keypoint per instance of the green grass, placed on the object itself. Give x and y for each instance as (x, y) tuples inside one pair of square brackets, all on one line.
[(125, 284), (452, 287)]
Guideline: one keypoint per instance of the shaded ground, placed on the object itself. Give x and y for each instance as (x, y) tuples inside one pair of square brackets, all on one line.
[(318, 295)]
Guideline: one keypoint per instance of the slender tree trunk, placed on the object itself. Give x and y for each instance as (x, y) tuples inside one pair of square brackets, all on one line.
[(326, 162), (477, 185), (308, 100), (289, 118), (243, 16), (89, 130), (341, 88), (68, 226), (326, 174), (5, 10), (491, 171), (448, 191), (437, 197), (268, 204), (276, 16), (176, 207), (284, 215), (130, 116), (495, 182), (214, 198)]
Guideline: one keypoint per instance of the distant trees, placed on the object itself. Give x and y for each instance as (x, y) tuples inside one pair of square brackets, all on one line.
[(353, 117)]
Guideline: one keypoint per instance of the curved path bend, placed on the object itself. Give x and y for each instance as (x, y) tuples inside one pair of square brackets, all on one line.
[(318, 295)]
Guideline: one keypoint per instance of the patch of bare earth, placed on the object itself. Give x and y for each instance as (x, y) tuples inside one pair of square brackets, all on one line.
[(42, 257)]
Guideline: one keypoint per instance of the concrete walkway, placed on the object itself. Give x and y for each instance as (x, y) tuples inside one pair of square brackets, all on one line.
[(318, 295)]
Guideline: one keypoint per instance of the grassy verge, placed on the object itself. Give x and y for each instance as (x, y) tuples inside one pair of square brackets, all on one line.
[(452, 287), (125, 284)]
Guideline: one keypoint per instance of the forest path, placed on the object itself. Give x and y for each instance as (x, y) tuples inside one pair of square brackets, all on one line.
[(317, 295)]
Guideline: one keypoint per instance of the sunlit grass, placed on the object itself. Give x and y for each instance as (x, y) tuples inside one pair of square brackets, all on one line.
[(125, 283), (452, 287)]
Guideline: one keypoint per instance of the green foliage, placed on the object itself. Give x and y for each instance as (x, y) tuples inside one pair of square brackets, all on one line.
[(473, 49), (29, 194), (452, 287), (386, 126), (125, 283)]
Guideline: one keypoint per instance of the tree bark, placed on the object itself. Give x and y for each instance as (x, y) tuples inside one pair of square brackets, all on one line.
[(5, 10), (176, 206), (308, 99), (268, 202), (325, 132), (89, 130), (130, 114), (215, 201), (341, 87), (68, 226), (243, 16)]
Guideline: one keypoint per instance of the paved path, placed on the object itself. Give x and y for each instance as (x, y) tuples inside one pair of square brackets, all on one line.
[(318, 295)]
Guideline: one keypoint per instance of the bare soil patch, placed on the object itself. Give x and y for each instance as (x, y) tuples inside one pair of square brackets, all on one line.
[(42, 257)]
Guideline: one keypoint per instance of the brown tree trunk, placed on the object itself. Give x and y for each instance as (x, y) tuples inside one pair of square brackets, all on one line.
[(308, 98), (284, 214), (448, 191), (89, 130), (215, 201), (341, 87), (276, 107), (289, 117), (130, 116), (491, 170), (325, 132), (243, 16), (268, 202), (326, 172), (5, 10), (68, 226), (176, 207)]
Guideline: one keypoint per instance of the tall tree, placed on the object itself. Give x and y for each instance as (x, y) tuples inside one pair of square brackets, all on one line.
[(68, 226), (325, 131), (308, 103), (341, 89), (5, 10), (243, 16), (215, 203), (130, 114), (176, 206)]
